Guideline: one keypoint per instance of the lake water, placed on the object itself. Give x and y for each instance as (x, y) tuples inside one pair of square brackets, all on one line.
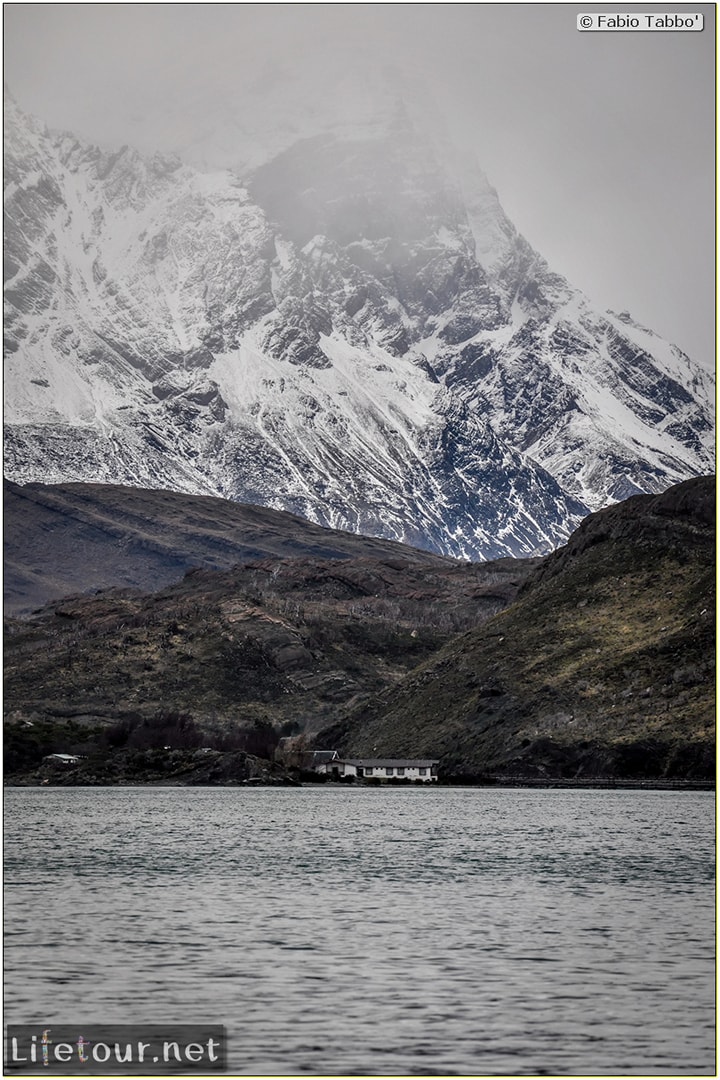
[(373, 931)]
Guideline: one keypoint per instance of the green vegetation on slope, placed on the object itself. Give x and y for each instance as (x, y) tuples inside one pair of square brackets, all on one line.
[(603, 667)]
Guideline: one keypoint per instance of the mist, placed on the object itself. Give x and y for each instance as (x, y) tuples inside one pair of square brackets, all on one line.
[(601, 146)]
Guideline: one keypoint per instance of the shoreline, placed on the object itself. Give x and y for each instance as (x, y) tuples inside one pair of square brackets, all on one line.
[(506, 783)]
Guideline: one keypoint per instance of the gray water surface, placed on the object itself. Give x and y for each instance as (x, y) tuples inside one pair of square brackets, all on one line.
[(364, 931)]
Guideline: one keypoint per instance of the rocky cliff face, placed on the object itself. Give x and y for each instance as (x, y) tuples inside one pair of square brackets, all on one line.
[(354, 332)]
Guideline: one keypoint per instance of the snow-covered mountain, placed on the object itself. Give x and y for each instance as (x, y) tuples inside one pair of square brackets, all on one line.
[(353, 331)]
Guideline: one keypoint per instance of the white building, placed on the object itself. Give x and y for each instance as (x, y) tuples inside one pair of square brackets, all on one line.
[(423, 769)]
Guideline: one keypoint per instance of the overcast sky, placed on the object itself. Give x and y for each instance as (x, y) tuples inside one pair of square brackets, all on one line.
[(601, 145)]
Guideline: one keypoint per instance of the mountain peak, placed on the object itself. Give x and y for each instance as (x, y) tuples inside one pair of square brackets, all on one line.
[(356, 333)]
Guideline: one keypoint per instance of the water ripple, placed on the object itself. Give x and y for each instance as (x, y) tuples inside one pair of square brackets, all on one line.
[(369, 932)]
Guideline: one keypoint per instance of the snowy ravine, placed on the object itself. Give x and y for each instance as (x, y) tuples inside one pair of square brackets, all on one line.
[(354, 332)]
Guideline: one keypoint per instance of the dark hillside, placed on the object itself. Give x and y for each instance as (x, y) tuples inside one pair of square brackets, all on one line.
[(69, 538), (604, 666)]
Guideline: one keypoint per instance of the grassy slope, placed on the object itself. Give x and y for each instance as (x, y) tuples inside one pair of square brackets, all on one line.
[(605, 666)]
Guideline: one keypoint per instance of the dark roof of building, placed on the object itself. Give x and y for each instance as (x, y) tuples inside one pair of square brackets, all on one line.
[(319, 757)]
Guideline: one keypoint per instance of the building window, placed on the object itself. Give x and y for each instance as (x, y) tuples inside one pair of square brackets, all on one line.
[(388, 771), (401, 771), (422, 772), (368, 771)]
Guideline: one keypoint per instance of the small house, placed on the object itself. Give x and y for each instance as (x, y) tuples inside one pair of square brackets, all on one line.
[(423, 769)]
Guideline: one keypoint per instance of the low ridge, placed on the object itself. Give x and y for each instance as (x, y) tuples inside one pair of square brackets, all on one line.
[(68, 538)]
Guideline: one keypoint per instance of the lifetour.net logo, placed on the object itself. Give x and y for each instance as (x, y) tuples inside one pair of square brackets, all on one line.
[(119, 1050)]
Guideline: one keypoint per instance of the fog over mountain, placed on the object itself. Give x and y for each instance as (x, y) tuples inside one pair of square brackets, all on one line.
[(601, 145)]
